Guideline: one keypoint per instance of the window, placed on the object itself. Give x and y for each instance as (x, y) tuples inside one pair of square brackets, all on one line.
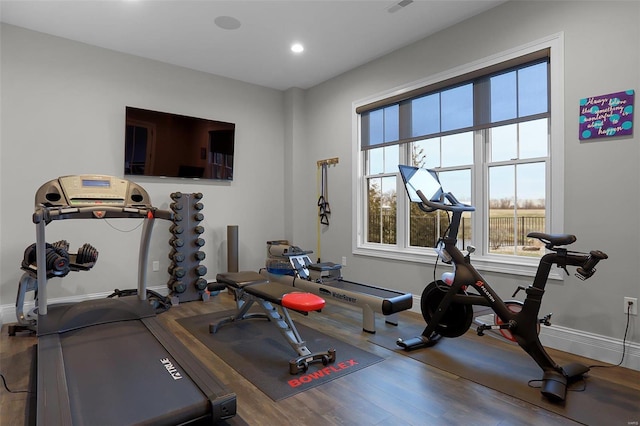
[(489, 132)]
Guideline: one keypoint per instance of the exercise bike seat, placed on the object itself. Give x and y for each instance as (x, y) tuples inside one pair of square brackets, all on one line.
[(553, 239)]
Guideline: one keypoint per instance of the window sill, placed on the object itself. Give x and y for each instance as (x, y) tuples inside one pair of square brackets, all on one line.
[(524, 267)]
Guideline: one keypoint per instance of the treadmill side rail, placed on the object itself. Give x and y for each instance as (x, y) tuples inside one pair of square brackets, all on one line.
[(223, 401), (53, 406)]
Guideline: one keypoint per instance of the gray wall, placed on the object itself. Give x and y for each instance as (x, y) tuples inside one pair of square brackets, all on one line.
[(602, 181), (63, 106), (63, 113)]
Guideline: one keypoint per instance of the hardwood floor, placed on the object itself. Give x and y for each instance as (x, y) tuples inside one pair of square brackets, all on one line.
[(398, 391)]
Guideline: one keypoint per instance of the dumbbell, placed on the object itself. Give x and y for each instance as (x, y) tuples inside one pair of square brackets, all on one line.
[(177, 286)]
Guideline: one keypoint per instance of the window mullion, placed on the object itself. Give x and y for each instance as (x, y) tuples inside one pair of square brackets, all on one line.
[(402, 203), (480, 187)]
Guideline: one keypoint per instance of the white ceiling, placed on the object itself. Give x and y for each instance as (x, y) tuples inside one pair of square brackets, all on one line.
[(337, 35)]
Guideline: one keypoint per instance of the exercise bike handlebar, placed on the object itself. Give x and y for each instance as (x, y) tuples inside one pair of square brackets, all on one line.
[(455, 206), (585, 269), (588, 267)]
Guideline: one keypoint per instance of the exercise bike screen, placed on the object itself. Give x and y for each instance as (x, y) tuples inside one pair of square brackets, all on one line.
[(417, 179)]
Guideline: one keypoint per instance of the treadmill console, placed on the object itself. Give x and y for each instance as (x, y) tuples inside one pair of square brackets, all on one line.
[(92, 191)]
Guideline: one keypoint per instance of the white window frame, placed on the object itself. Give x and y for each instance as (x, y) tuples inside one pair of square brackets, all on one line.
[(516, 265)]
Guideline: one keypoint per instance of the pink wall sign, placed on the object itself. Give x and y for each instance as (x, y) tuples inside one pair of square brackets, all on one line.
[(606, 115)]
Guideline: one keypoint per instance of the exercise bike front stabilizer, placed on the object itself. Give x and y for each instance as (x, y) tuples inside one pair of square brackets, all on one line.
[(447, 304)]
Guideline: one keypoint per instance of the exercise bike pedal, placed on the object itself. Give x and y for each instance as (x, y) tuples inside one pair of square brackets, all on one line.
[(481, 328), (546, 320)]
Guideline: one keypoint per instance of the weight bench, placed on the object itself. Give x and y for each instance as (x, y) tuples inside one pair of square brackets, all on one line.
[(252, 288)]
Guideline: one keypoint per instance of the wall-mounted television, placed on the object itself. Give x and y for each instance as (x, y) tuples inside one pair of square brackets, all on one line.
[(171, 145)]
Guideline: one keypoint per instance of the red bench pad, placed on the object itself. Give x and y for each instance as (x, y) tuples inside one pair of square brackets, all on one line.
[(303, 302)]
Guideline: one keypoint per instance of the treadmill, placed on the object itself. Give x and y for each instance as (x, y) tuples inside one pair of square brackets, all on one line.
[(110, 361)]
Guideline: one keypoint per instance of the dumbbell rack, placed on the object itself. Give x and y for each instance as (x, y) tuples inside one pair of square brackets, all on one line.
[(187, 282)]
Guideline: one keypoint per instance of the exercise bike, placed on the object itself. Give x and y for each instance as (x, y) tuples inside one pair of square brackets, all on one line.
[(447, 304)]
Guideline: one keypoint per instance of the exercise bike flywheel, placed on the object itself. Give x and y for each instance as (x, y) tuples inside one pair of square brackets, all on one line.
[(456, 320)]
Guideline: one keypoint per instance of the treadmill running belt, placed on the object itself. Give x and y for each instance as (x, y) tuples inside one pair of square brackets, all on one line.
[(119, 373)]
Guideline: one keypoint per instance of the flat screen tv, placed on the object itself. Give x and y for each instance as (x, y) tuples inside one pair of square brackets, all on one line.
[(171, 145)]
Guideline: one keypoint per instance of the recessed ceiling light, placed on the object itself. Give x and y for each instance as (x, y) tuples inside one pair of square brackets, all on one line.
[(297, 48), (227, 22)]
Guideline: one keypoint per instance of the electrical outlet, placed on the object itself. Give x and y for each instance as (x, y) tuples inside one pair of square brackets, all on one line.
[(344, 260), (634, 305), (155, 266)]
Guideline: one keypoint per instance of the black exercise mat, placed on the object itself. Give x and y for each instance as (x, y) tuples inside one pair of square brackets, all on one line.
[(257, 350), (504, 367)]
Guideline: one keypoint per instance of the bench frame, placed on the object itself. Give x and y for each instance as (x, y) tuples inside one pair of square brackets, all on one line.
[(269, 297)]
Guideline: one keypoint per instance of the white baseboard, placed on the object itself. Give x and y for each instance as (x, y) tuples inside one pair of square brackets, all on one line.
[(597, 347), (594, 346)]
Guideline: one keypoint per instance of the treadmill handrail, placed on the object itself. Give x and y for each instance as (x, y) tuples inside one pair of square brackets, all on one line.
[(44, 215), (49, 214)]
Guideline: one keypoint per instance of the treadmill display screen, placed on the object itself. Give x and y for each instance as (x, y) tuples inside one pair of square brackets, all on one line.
[(96, 183)]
